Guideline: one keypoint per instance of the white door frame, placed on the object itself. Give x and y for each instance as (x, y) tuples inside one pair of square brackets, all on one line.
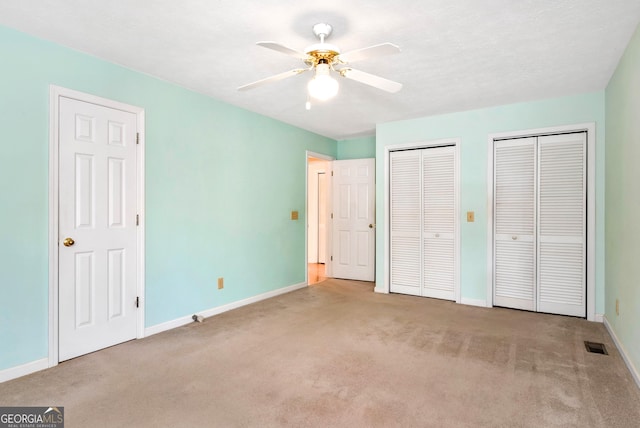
[(590, 129), (328, 267), (56, 92), (387, 206)]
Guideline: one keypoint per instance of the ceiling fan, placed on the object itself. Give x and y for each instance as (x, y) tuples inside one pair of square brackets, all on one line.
[(325, 59)]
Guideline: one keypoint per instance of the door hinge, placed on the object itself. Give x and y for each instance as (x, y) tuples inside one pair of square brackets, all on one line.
[(137, 138), (331, 215), (137, 219), (137, 302), (331, 258), (332, 173)]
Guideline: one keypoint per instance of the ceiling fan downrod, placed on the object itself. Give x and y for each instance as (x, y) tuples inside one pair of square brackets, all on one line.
[(322, 31)]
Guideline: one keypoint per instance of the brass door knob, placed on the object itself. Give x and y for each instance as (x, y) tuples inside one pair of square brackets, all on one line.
[(68, 242), (371, 226)]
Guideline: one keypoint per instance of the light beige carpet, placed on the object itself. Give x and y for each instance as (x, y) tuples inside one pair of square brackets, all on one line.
[(339, 355)]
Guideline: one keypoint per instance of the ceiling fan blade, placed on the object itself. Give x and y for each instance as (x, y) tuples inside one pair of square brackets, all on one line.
[(283, 49), (371, 80), (275, 78), (371, 51)]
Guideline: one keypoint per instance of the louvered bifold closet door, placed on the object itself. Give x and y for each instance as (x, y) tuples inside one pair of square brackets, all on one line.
[(562, 224), (439, 222), (405, 233), (515, 223)]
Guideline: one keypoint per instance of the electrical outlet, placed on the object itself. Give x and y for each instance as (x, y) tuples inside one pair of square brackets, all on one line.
[(617, 307), (220, 283)]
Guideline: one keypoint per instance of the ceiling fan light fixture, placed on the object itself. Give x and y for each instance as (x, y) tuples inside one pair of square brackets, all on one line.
[(323, 87)]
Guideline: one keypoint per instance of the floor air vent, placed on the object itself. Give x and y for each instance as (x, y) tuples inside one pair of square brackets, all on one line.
[(596, 348)]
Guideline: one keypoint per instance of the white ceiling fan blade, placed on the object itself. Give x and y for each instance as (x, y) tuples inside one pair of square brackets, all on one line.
[(283, 49), (371, 80), (275, 78), (371, 51)]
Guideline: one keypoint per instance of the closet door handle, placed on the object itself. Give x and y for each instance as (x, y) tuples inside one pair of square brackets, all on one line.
[(514, 237)]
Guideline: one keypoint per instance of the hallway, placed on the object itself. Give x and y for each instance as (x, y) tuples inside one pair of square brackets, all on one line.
[(316, 272)]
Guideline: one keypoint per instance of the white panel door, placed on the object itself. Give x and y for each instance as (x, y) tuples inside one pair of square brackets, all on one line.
[(97, 226), (405, 222), (439, 222), (562, 224), (354, 219), (515, 223)]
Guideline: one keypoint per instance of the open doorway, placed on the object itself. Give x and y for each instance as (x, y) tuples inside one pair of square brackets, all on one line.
[(318, 190)]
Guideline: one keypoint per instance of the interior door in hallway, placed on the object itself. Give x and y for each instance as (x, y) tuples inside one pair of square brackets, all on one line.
[(97, 227), (322, 217), (353, 254), (317, 209)]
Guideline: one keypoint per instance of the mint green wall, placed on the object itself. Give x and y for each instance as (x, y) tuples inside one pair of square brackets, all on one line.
[(623, 200), (357, 148), (220, 184), (473, 128)]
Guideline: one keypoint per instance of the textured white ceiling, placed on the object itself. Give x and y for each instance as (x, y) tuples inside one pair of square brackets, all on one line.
[(456, 54)]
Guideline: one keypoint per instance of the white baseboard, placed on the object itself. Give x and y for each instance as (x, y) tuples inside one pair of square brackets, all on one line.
[(623, 352), (598, 318), (34, 366), (179, 322), (23, 370), (380, 290), (473, 302)]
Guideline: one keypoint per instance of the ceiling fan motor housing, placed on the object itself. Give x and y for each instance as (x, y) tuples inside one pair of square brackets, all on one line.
[(323, 51)]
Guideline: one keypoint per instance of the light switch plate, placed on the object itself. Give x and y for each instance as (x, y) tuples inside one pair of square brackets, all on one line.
[(294, 215), (470, 217)]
